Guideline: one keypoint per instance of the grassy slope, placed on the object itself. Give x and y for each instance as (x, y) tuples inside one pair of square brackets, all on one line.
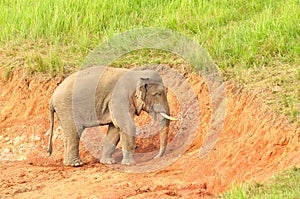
[(254, 42), (55, 36), (285, 185)]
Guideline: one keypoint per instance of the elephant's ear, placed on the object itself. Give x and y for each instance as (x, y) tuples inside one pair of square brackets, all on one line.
[(140, 94), (141, 88)]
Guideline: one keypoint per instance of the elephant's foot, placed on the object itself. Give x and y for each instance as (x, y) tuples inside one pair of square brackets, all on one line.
[(105, 160), (74, 163), (128, 162), (128, 158)]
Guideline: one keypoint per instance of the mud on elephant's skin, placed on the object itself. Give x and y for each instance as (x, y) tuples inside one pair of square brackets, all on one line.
[(108, 96)]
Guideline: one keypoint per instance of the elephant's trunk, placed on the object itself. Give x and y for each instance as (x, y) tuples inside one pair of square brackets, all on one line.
[(162, 113), (163, 141)]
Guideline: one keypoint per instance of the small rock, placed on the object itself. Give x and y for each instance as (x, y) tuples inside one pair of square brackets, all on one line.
[(276, 89), (7, 150), (21, 158)]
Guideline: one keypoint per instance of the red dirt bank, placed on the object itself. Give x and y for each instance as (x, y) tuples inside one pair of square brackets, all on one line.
[(253, 145)]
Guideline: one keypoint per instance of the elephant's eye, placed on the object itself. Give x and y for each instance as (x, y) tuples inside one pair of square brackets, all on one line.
[(156, 94)]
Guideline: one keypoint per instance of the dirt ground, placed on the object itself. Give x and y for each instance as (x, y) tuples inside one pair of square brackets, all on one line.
[(254, 145)]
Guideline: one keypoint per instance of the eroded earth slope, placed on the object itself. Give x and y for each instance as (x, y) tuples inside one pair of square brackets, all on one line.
[(254, 145)]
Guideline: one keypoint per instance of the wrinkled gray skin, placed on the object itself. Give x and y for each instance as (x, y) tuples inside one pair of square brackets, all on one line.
[(78, 107)]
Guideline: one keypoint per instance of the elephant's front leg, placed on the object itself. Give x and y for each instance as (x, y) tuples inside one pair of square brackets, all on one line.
[(111, 140), (128, 147)]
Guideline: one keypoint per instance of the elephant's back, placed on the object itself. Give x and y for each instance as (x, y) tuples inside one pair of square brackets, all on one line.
[(97, 80), (110, 77)]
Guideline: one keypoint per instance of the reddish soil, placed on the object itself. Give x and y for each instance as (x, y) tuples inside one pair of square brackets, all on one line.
[(254, 145)]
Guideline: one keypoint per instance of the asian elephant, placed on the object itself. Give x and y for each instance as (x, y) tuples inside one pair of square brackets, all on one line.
[(108, 96)]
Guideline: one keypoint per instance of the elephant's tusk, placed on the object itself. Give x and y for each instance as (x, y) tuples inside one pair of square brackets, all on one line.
[(168, 117)]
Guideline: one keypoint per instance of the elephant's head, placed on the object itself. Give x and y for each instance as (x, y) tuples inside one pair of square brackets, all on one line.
[(151, 96)]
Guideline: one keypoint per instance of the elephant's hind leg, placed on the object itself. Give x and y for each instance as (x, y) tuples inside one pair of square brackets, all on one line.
[(71, 145), (110, 143)]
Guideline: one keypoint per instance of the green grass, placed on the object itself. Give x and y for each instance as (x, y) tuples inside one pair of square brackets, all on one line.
[(238, 34), (285, 185), (256, 43)]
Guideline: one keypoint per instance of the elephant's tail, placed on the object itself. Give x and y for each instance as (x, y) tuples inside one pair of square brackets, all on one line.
[(52, 110)]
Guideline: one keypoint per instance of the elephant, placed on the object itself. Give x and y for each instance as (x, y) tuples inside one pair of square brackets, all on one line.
[(110, 96)]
